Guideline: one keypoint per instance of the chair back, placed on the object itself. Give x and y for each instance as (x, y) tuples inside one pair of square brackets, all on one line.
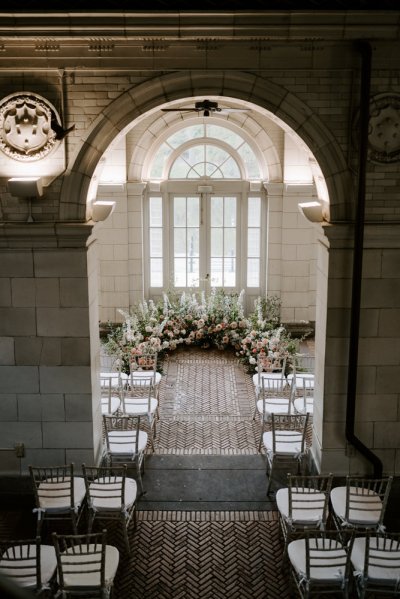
[(381, 568), (80, 561), (308, 499), (327, 560), (144, 362), (289, 433), (303, 363), (20, 561), (275, 395), (138, 396), (105, 485), (307, 394), (53, 486), (122, 435), (270, 363), (366, 500)]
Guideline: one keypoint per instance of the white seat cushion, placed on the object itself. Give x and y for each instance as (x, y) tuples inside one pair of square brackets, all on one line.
[(48, 565), (55, 495), (108, 497), (307, 506), (377, 572), (291, 447), (141, 374), (115, 402), (274, 405), (88, 579), (365, 509), (138, 406), (299, 405), (123, 442), (330, 560)]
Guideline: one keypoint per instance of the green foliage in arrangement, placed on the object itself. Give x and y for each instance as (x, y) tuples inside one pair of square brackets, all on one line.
[(190, 319)]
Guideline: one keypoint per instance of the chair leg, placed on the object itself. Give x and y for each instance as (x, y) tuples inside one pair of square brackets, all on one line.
[(90, 521), (261, 435), (74, 522), (124, 523), (39, 524), (269, 474)]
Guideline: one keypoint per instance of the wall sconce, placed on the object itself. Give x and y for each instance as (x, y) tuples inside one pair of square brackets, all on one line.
[(312, 211), (101, 209), (26, 187)]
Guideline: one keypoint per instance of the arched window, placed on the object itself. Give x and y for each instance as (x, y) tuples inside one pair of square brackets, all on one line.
[(204, 225)]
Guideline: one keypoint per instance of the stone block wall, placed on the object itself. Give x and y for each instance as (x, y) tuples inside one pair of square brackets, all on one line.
[(45, 364)]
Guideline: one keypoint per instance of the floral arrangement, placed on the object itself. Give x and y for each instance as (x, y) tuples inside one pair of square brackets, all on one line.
[(217, 320)]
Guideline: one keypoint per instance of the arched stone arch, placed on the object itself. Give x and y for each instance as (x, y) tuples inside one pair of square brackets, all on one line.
[(122, 112)]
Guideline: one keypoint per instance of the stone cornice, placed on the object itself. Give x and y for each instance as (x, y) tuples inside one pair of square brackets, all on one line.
[(202, 25), (44, 235)]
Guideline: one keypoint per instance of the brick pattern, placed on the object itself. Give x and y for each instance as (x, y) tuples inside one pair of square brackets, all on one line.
[(209, 555), (206, 405)]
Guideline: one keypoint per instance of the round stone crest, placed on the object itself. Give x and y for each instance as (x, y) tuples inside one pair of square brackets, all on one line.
[(384, 128), (25, 126)]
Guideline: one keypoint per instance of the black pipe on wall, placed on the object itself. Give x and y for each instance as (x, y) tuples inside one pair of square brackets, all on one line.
[(366, 54)]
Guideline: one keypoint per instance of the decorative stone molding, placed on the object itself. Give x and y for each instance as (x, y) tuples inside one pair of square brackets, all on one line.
[(384, 131), (26, 126)]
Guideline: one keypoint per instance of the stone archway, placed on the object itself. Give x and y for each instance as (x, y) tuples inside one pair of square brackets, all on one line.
[(119, 116)]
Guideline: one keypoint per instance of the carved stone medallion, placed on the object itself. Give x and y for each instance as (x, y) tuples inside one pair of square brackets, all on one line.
[(25, 126), (384, 128)]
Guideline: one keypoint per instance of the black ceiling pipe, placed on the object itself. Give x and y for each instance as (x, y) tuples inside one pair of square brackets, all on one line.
[(365, 50)]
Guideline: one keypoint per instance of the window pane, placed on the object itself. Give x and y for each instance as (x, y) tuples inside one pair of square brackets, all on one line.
[(179, 212), (179, 243), (225, 135), (229, 242), (217, 211), (212, 169), (229, 272), (248, 157), (179, 169), (156, 272), (230, 212), (193, 275), (216, 155), (253, 272), (216, 242), (254, 212), (186, 134), (180, 272), (159, 160), (155, 212), (193, 247), (253, 243), (193, 205), (194, 155), (216, 174), (197, 171), (230, 169), (156, 242), (216, 272)]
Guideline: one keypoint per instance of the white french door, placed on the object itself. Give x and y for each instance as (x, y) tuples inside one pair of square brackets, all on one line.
[(199, 240), (204, 241)]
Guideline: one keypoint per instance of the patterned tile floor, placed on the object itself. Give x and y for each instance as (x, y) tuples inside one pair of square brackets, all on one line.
[(206, 405)]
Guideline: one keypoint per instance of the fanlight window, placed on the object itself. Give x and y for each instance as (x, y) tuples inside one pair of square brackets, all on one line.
[(221, 153)]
